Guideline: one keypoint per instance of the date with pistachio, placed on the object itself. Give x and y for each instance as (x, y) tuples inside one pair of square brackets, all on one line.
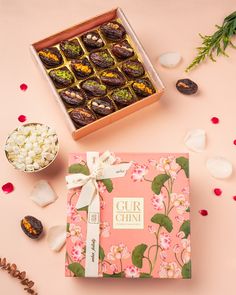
[(71, 49), (82, 116), (123, 96), (113, 77), (102, 59), (133, 68), (61, 77), (93, 87)]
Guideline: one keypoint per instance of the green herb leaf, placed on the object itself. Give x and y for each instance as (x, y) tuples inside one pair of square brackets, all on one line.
[(138, 254), (158, 183), (77, 269), (184, 164), (79, 168), (163, 220), (185, 227)]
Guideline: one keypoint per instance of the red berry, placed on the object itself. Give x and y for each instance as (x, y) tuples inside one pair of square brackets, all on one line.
[(7, 188), (22, 118), (215, 120), (217, 191), (23, 87), (203, 212)]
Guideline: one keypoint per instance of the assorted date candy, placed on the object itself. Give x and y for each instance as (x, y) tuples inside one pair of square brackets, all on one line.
[(97, 73)]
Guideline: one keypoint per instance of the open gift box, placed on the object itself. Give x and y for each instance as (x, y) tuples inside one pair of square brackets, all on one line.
[(128, 215)]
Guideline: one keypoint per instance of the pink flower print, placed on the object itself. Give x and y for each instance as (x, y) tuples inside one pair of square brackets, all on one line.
[(169, 270), (176, 248), (186, 257), (180, 235), (75, 232), (164, 241), (102, 204), (101, 187), (77, 252), (185, 190), (158, 201), (73, 213), (105, 229), (179, 202), (103, 267), (163, 255), (186, 244), (139, 172), (168, 165), (132, 272), (179, 218), (152, 229), (118, 252), (114, 268), (152, 162)]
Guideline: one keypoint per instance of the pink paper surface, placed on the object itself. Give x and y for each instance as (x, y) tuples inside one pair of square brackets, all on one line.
[(171, 259)]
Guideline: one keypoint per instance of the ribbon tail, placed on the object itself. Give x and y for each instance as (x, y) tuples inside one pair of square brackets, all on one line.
[(87, 194)]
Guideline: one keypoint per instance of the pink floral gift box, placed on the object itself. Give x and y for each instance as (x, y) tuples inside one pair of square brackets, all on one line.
[(128, 215)]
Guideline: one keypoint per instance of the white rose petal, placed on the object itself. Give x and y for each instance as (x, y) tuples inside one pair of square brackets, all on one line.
[(43, 194), (56, 237), (170, 59), (219, 167), (195, 140)]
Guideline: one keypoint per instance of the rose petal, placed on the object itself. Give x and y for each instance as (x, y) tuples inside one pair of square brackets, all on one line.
[(219, 167), (195, 140), (170, 59), (23, 87), (43, 194), (56, 237), (203, 212), (8, 188), (22, 118)]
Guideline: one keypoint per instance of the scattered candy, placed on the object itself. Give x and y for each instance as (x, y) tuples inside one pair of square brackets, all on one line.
[(195, 140), (32, 227), (23, 87), (203, 212), (22, 118), (7, 188), (56, 237), (217, 191), (215, 120), (31, 147), (170, 59), (43, 194), (219, 167)]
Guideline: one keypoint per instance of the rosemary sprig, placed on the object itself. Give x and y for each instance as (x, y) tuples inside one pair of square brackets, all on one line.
[(216, 44)]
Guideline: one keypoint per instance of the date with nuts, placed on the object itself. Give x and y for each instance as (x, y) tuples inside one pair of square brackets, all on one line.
[(113, 78), (81, 68), (133, 68), (71, 48), (73, 96), (102, 59), (82, 116), (61, 77), (102, 106), (32, 227), (92, 40), (143, 87), (122, 50), (94, 88), (186, 86), (113, 30)]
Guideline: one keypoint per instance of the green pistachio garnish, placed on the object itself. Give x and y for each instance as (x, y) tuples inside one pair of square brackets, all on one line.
[(124, 93), (72, 47), (64, 74)]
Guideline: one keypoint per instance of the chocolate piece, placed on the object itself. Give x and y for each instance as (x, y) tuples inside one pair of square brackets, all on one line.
[(73, 96), (123, 96), (82, 116), (113, 30), (186, 86), (143, 87), (102, 106), (81, 68), (71, 49), (94, 87), (61, 77), (133, 68), (102, 59), (51, 57), (32, 227), (122, 50), (92, 40), (113, 77)]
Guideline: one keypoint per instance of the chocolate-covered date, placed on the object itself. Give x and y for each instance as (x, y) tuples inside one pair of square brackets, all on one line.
[(81, 68), (113, 30), (186, 86), (102, 59), (73, 96), (71, 48), (61, 77), (113, 77), (143, 87), (82, 116), (32, 227), (122, 50), (133, 68), (50, 57), (92, 40), (102, 106), (123, 96), (94, 87)]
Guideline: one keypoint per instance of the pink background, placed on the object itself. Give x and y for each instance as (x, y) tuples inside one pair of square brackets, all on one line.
[(161, 26)]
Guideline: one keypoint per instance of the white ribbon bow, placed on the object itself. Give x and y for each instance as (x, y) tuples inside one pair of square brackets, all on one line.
[(100, 168)]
